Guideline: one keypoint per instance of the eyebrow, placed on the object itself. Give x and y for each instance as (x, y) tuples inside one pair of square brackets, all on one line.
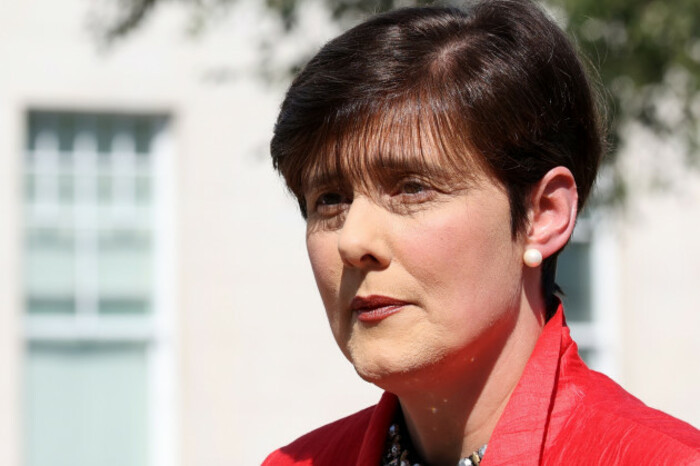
[(391, 166)]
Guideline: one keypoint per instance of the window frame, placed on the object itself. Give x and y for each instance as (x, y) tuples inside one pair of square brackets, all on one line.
[(158, 329)]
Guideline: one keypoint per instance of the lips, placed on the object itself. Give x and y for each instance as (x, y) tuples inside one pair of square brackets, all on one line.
[(375, 308)]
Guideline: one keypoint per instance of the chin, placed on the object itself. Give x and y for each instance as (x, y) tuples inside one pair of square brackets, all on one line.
[(389, 370)]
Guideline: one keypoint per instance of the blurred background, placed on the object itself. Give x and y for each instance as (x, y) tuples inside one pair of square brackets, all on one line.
[(156, 305)]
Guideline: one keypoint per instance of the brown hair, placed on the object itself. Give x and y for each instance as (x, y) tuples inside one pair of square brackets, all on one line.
[(496, 86)]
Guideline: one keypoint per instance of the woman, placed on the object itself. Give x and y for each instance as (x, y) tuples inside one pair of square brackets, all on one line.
[(440, 158)]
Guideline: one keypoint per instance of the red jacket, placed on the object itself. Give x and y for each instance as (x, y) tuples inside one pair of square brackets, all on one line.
[(561, 413)]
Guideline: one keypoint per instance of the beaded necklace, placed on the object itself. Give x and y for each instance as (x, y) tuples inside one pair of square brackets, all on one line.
[(397, 449)]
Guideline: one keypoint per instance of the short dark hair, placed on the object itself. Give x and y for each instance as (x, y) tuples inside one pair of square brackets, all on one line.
[(497, 85)]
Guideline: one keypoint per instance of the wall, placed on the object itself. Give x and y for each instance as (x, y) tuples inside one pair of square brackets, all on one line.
[(659, 260)]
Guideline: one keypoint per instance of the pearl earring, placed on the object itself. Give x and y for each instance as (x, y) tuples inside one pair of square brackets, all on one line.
[(532, 257)]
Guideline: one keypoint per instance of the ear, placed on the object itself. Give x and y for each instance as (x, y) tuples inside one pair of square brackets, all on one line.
[(552, 211)]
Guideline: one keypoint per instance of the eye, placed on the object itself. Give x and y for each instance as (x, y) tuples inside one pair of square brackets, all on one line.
[(328, 203), (329, 199), (412, 187), (412, 193)]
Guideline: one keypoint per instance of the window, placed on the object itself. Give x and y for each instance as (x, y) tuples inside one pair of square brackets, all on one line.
[(98, 323), (585, 274)]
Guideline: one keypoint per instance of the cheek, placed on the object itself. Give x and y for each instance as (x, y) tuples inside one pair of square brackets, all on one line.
[(325, 261), (327, 268), (463, 259)]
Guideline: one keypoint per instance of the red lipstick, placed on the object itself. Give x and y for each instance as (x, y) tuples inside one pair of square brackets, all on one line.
[(375, 308)]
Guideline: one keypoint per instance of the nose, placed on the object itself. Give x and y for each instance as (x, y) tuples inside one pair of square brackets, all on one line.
[(362, 240)]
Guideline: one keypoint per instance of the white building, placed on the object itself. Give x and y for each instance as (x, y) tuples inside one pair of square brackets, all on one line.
[(156, 305)]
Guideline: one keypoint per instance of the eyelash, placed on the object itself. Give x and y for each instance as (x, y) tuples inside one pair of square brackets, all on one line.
[(411, 193), (412, 188), (408, 191), (328, 203)]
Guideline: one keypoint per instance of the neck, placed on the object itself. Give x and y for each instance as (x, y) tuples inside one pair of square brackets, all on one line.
[(455, 413)]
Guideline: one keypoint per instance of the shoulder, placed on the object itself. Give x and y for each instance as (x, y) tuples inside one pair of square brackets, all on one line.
[(325, 445), (598, 417)]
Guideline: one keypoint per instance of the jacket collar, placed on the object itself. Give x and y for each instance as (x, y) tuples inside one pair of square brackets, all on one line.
[(520, 432)]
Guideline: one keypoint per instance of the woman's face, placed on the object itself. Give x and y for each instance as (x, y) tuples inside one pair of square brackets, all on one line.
[(413, 276)]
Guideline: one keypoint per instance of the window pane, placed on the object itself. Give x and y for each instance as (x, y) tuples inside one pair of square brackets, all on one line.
[(104, 189), (125, 261), (66, 132), (50, 271), (143, 190), (53, 305), (29, 187), (143, 133), (124, 306), (574, 277), (66, 189), (43, 131), (587, 354), (85, 405), (104, 129)]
